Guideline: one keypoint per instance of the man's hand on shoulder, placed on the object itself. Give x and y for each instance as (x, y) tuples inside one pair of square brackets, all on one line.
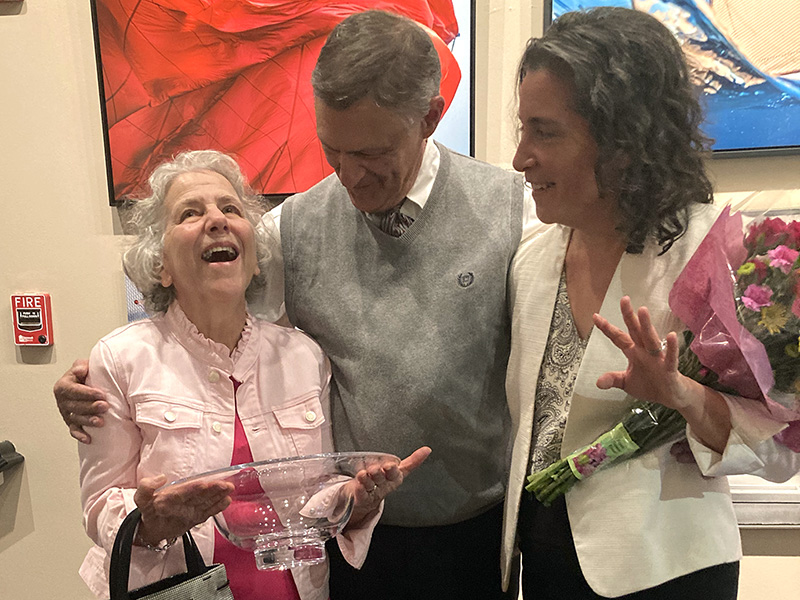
[(79, 405)]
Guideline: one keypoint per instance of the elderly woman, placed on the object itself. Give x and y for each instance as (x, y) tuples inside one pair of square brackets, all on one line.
[(611, 148), (203, 385)]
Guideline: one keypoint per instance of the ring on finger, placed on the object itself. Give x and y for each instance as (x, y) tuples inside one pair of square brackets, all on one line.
[(662, 346)]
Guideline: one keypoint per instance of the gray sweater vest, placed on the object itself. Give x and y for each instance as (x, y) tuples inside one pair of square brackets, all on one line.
[(417, 330)]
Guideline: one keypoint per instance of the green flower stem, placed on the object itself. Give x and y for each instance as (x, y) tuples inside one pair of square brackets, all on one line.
[(646, 426)]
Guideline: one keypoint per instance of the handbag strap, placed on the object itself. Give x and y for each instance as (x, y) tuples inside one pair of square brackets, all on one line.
[(121, 556)]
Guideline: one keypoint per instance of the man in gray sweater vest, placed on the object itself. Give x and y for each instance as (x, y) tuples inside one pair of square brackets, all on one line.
[(412, 315), (397, 266)]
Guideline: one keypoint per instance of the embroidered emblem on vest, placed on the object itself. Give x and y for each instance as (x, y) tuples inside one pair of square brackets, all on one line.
[(466, 279)]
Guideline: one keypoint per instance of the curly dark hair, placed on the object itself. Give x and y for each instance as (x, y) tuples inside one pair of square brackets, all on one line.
[(632, 85)]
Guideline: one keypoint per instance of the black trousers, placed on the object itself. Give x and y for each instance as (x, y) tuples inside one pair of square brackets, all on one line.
[(550, 568), (460, 561)]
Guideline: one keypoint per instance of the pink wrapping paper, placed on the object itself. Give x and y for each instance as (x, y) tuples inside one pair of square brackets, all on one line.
[(703, 297)]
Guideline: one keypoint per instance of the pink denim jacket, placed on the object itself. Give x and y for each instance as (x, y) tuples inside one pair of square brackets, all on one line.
[(172, 411)]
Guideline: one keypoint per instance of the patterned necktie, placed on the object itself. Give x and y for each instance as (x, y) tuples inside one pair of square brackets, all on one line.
[(394, 222)]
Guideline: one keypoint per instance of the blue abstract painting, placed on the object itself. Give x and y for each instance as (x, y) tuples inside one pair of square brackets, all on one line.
[(744, 55)]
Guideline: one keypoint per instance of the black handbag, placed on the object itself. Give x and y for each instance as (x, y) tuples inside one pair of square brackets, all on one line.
[(198, 583)]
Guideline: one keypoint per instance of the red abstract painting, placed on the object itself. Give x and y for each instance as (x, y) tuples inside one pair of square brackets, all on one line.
[(231, 75)]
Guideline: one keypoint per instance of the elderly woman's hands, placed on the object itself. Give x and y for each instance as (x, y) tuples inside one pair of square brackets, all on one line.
[(370, 486), (170, 513), (652, 375)]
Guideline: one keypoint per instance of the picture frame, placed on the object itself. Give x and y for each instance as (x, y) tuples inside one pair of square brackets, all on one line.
[(177, 75), (746, 60), (761, 504)]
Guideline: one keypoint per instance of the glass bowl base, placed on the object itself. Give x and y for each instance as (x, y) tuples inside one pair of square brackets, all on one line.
[(292, 555)]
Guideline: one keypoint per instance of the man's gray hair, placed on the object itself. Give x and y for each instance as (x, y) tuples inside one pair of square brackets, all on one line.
[(143, 261), (379, 55)]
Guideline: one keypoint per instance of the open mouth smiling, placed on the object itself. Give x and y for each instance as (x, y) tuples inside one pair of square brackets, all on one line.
[(216, 254)]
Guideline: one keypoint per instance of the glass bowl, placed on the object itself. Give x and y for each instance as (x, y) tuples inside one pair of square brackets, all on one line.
[(284, 510)]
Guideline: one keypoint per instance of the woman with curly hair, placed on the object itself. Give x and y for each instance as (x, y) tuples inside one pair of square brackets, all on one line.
[(611, 148)]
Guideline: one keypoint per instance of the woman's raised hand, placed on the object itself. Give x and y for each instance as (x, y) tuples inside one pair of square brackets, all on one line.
[(652, 374)]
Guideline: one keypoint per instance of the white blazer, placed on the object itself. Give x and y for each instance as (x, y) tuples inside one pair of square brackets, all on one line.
[(650, 519)]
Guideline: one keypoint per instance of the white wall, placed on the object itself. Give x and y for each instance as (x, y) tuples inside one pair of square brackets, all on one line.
[(60, 237)]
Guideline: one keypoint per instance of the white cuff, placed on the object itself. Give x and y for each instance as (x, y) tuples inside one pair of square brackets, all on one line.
[(751, 426)]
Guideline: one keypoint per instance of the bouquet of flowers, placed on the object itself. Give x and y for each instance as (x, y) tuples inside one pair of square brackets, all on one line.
[(740, 301)]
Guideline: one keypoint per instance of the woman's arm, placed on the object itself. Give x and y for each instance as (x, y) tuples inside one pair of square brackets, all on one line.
[(108, 466), (652, 375), (727, 435), (110, 485)]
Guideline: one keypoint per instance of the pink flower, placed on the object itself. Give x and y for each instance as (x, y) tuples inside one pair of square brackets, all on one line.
[(757, 296), (590, 459), (796, 303), (783, 258), (596, 454), (765, 234), (793, 230)]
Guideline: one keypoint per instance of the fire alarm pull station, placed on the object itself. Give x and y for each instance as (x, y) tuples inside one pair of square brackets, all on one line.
[(33, 320)]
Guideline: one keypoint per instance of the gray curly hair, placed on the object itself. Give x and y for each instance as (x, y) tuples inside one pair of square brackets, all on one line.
[(143, 260)]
